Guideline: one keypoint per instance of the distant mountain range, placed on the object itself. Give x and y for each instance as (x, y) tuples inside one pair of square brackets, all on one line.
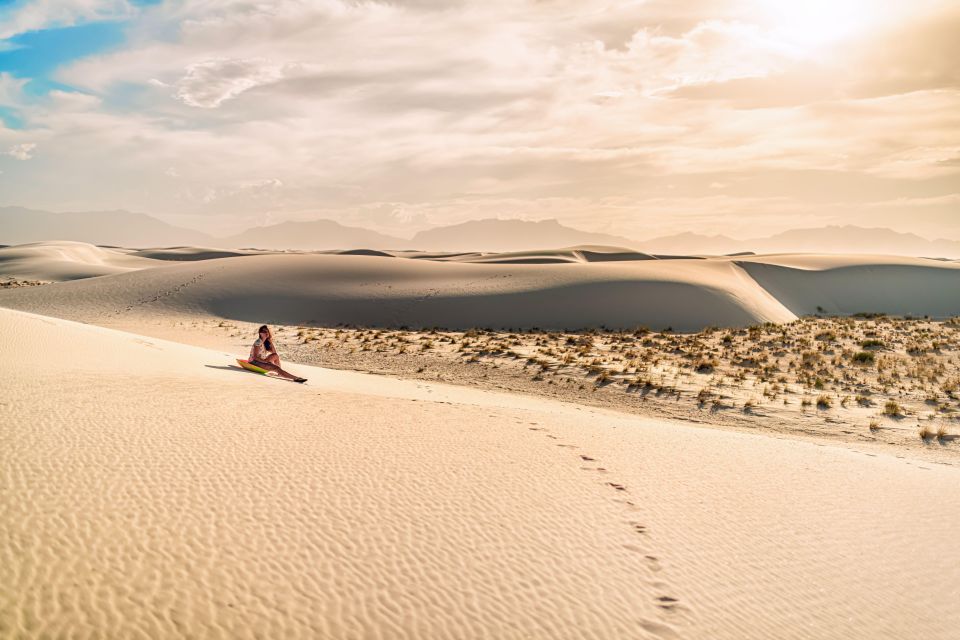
[(830, 239), (19, 225), (309, 236), (510, 235), (120, 228)]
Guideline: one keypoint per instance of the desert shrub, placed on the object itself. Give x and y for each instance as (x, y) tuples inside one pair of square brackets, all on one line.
[(706, 366), (916, 349), (892, 408)]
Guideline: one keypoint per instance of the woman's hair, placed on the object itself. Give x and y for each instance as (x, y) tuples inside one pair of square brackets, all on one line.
[(268, 343)]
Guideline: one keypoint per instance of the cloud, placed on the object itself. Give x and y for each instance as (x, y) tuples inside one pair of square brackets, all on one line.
[(36, 15), (247, 190), (402, 114), (915, 55), (11, 90), (22, 151), (208, 84)]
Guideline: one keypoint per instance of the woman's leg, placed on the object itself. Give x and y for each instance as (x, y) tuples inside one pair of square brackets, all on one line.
[(269, 366), (274, 359)]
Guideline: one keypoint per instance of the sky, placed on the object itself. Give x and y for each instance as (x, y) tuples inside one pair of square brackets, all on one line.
[(640, 118)]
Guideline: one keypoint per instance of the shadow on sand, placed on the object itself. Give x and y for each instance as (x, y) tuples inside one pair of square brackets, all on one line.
[(232, 367)]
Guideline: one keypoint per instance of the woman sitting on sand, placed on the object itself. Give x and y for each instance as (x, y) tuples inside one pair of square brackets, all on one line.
[(264, 355)]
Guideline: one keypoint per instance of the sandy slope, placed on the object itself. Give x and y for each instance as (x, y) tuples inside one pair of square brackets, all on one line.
[(186, 254), (63, 260), (333, 289), (593, 287), (585, 253), (148, 489), (840, 284)]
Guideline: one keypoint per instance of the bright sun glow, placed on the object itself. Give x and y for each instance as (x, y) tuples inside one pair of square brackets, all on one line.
[(810, 24)]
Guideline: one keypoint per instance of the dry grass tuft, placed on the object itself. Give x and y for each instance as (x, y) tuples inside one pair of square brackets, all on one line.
[(893, 409), (942, 432)]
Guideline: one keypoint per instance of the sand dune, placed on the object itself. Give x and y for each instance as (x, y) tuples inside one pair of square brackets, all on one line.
[(585, 253), (362, 252), (63, 260), (192, 253), (852, 284), (364, 290), (684, 294), (151, 489)]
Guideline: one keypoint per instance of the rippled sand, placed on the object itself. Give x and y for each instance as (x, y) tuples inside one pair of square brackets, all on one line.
[(151, 489)]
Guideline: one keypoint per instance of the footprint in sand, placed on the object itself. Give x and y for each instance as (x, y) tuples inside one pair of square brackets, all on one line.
[(639, 528), (667, 603), (658, 629), (653, 563)]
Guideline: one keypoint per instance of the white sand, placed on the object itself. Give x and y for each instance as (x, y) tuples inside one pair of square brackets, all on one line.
[(590, 287), (333, 289), (150, 490), (848, 284), (185, 254), (63, 260)]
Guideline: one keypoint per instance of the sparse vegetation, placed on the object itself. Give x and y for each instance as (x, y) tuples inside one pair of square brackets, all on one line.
[(844, 365)]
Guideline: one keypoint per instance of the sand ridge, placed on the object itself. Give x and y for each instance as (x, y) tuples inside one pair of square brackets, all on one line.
[(493, 290), (334, 289)]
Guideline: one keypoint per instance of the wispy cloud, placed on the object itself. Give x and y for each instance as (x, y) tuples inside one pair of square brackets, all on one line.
[(37, 15)]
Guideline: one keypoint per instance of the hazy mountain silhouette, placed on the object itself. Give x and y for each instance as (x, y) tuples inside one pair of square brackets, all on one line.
[(692, 243), (852, 239), (312, 235), (19, 225), (830, 239), (510, 235)]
